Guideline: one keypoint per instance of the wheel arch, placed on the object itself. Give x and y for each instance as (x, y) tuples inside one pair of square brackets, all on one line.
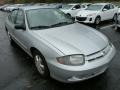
[(69, 14), (32, 49), (98, 16)]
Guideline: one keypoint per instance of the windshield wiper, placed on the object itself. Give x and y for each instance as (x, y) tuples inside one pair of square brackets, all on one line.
[(54, 25), (61, 23), (39, 27)]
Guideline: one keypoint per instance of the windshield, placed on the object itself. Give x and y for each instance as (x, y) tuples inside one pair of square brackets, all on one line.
[(67, 6), (47, 18), (95, 7)]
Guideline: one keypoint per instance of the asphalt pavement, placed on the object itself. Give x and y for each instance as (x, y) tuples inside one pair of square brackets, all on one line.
[(18, 72)]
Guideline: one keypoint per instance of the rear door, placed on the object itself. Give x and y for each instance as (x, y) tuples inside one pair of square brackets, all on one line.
[(106, 12), (113, 11), (11, 21), (20, 34)]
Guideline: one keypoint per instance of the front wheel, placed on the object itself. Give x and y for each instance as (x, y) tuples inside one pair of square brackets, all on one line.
[(97, 20), (116, 28), (115, 18), (41, 64)]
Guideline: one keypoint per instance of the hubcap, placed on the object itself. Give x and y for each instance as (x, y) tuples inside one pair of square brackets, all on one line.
[(39, 64), (97, 21)]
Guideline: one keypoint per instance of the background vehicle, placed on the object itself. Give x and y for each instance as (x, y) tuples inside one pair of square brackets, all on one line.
[(71, 60), (11, 7), (98, 12), (117, 24), (39, 4), (55, 5), (71, 9), (3, 6), (85, 5)]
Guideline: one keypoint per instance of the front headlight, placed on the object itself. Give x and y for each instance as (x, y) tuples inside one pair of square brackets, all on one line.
[(72, 60)]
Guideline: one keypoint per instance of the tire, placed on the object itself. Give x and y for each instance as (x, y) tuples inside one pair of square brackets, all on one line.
[(97, 20), (41, 64), (115, 18), (10, 39), (117, 28)]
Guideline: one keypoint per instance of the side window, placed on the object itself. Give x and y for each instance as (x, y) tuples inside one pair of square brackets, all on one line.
[(77, 6), (82, 6), (107, 7), (20, 18), (88, 4), (111, 6), (12, 16)]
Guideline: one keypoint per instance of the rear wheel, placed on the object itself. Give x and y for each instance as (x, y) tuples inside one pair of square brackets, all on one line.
[(97, 20), (40, 64)]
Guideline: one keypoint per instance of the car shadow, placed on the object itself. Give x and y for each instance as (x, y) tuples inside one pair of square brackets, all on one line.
[(101, 25), (97, 83)]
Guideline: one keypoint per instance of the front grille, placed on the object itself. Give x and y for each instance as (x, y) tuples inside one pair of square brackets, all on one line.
[(99, 54), (81, 18)]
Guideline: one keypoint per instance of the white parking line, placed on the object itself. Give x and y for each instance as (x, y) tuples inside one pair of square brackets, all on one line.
[(107, 26)]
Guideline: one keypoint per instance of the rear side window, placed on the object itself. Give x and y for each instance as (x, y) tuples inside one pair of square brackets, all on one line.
[(20, 18), (12, 16)]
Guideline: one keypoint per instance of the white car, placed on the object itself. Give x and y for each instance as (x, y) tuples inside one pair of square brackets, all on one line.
[(85, 5), (11, 7), (71, 9), (98, 12), (117, 25)]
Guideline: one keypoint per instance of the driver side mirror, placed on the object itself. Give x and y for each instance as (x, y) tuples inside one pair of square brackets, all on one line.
[(17, 26), (104, 9)]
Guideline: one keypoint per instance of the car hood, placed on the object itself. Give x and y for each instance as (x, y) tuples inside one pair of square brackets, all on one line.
[(84, 13), (74, 39), (65, 10)]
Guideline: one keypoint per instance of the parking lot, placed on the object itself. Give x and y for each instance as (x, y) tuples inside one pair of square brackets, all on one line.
[(17, 70)]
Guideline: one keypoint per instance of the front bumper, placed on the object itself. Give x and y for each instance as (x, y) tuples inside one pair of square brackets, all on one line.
[(69, 74), (87, 20)]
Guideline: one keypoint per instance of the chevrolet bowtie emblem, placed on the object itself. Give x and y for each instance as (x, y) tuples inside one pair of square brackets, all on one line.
[(103, 53)]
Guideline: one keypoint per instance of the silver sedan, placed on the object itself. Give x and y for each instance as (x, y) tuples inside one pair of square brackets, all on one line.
[(61, 48)]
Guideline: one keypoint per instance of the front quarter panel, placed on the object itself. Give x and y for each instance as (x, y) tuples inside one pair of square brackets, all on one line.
[(48, 51)]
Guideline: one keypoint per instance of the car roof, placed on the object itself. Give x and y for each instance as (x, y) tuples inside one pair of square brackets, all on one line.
[(73, 4), (35, 7), (100, 3)]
